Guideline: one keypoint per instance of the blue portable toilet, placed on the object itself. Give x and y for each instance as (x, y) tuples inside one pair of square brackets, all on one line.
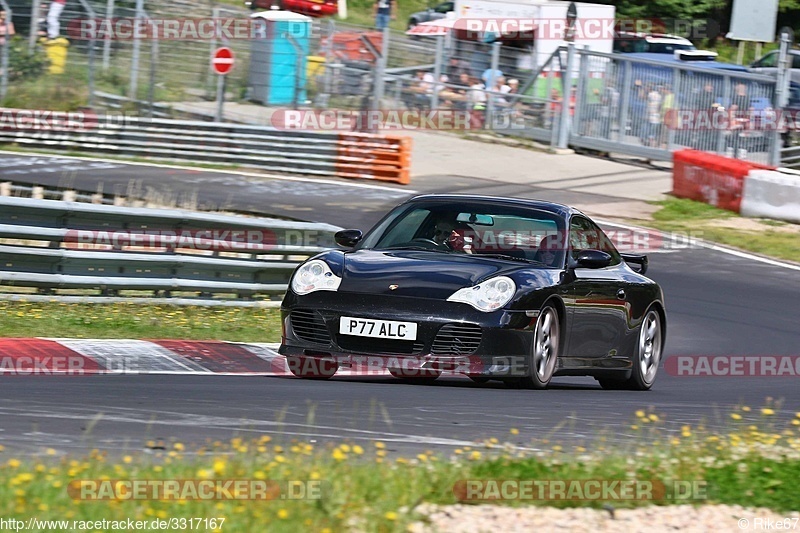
[(278, 59)]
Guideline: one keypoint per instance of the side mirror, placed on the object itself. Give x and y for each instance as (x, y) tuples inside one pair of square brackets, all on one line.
[(592, 259), (348, 237)]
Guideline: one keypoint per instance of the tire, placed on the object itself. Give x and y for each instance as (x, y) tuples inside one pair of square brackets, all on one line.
[(648, 352), (312, 367), (646, 358), (543, 358), (479, 379)]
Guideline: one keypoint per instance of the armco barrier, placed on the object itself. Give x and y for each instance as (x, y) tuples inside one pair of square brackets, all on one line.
[(334, 154), (711, 178), (771, 194)]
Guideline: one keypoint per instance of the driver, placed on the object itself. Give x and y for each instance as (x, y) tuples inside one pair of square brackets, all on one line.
[(448, 232)]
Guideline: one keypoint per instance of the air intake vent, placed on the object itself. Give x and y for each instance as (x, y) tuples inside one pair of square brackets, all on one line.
[(457, 339), (310, 326)]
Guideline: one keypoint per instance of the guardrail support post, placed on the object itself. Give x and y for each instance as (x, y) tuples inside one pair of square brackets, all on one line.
[(494, 65), (437, 71), (107, 39), (4, 52), (137, 43), (380, 68), (781, 93), (565, 123)]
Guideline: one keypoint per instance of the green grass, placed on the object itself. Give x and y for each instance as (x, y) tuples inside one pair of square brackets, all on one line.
[(133, 321), (368, 486), (703, 221)]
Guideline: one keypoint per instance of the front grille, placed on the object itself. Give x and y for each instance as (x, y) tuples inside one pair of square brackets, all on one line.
[(457, 339), (309, 326), (353, 343)]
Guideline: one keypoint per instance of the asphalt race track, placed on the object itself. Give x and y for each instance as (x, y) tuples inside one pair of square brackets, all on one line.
[(718, 304)]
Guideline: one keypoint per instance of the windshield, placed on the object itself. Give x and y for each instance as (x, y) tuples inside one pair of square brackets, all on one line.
[(503, 232), (667, 48)]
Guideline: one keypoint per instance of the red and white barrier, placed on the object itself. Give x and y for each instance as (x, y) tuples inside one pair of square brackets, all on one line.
[(769, 194)]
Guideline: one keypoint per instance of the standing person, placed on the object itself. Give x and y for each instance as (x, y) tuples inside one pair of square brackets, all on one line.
[(384, 12), (6, 28), (54, 13), (653, 116)]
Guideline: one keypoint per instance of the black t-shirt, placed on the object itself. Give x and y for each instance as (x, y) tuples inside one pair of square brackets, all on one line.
[(384, 7)]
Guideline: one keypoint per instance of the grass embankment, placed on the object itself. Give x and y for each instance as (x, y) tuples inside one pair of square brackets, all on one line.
[(132, 321), (367, 486), (765, 237)]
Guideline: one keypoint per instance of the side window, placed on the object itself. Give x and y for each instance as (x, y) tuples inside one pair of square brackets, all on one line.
[(768, 61), (585, 235), (795, 60), (444, 8)]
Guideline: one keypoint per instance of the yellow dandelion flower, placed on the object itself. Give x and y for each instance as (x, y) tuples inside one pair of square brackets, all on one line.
[(339, 455), (178, 446), (380, 445), (514, 431), (358, 450), (14, 463), (736, 416), (391, 515), (127, 459), (766, 411), (283, 514), (422, 457), (653, 417), (640, 414), (746, 409)]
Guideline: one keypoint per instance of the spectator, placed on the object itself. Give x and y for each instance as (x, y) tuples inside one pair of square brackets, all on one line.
[(477, 103), (609, 106), (383, 13), (669, 117), (6, 28), (53, 15), (490, 76), (653, 116)]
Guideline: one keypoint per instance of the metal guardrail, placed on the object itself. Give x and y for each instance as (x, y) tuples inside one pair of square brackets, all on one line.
[(345, 155), (790, 157), (54, 246)]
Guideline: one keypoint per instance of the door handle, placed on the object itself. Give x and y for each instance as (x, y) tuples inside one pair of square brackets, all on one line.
[(621, 294)]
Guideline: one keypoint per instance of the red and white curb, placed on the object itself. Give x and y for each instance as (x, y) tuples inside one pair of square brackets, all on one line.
[(32, 356)]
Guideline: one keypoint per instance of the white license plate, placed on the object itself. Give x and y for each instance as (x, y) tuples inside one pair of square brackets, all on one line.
[(381, 329)]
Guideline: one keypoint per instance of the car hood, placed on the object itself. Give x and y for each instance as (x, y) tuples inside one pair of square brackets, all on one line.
[(418, 273)]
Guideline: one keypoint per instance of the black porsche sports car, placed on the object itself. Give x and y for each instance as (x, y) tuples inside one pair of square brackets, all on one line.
[(495, 288)]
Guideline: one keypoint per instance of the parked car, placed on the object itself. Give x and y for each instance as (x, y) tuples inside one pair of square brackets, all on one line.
[(432, 13), (508, 289), (311, 8), (768, 64), (653, 43)]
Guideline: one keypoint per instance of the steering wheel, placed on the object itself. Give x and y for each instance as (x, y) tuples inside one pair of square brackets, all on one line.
[(423, 240)]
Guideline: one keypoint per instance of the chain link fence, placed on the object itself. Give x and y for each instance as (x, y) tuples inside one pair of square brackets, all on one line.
[(606, 102)]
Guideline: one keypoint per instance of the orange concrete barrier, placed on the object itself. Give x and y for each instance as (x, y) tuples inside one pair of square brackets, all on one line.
[(711, 178), (371, 156)]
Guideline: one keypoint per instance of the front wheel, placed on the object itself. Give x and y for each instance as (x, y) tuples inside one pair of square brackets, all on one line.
[(543, 357)]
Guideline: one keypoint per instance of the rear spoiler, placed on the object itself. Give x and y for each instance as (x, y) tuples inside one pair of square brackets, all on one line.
[(637, 259)]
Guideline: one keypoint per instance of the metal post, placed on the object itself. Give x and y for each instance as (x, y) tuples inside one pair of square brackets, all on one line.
[(4, 52), (565, 126), (93, 17), (437, 71), (327, 80), (581, 97), (210, 79), (380, 68), (107, 39), (625, 101), (153, 62), (33, 34), (220, 97), (300, 55), (132, 91), (494, 66), (676, 90), (781, 91), (726, 99)]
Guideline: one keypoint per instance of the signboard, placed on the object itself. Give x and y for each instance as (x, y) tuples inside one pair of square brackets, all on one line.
[(222, 62), (754, 20)]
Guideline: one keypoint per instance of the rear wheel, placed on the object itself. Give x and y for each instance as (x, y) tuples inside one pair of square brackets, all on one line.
[(543, 357), (312, 367), (646, 358)]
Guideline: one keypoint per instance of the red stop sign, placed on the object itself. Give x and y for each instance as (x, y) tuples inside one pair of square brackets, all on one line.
[(222, 62)]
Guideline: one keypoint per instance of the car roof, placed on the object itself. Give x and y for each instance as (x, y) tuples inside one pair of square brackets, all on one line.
[(667, 58), (561, 209)]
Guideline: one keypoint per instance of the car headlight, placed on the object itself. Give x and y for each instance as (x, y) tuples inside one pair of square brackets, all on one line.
[(313, 276), (488, 296)]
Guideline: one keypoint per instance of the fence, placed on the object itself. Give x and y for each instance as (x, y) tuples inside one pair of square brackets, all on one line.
[(69, 249), (606, 102), (343, 155)]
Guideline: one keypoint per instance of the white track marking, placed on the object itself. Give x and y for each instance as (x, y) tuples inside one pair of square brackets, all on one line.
[(400, 192)]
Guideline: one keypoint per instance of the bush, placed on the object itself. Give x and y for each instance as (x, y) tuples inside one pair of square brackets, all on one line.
[(23, 65)]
